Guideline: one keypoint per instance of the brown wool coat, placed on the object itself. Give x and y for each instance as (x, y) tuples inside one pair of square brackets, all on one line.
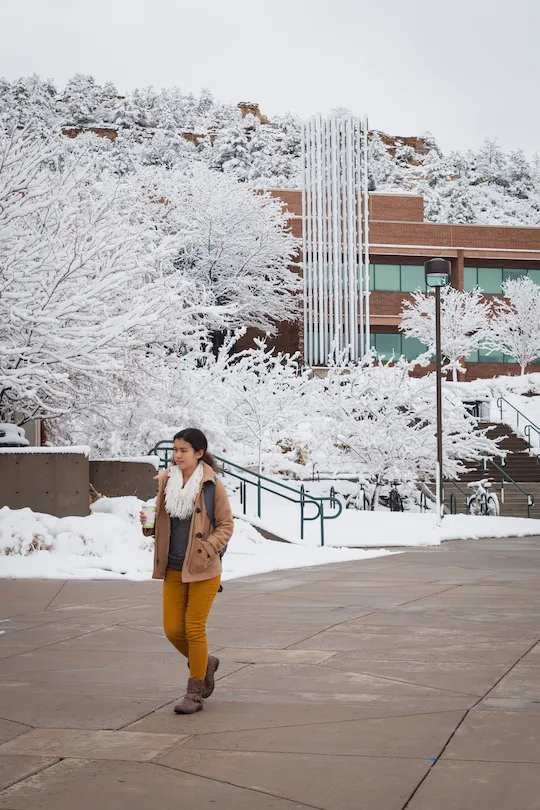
[(202, 556)]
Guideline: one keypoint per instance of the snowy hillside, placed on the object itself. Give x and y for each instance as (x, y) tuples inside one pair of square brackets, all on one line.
[(170, 128)]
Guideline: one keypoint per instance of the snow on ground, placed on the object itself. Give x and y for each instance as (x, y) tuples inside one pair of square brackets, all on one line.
[(364, 529), (109, 544)]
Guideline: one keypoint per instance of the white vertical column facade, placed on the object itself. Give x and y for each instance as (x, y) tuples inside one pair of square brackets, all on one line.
[(335, 238)]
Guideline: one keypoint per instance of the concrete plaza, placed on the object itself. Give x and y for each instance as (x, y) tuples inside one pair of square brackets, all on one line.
[(408, 681)]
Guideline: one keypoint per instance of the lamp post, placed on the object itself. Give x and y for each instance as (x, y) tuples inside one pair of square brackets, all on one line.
[(437, 273)]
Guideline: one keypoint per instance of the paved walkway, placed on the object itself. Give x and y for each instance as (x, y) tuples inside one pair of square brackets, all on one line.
[(410, 681)]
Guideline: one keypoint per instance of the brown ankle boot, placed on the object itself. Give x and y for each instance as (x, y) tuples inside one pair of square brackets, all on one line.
[(192, 700), (211, 669)]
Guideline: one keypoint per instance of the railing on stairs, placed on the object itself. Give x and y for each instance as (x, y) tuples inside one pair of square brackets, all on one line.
[(262, 483), (505, 477), (453, 498), (529, 426)]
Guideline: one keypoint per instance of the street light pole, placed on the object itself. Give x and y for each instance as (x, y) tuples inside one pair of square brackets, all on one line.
[(438, 375), (437, 273)]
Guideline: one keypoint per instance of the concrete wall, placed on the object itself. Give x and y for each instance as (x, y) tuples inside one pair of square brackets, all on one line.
[(116, 478), (51, 482)]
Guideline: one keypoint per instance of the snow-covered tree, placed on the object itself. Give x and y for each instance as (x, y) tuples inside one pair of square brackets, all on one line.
[(383, 423), (82, 277), (81, 100), (464, 319), (382, 169), (515, 325), (255, 395), (231, 152), (233, 243)]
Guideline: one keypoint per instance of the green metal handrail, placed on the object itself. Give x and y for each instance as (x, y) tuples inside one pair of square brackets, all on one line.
[(453, 499), (527, 429), (163, 450), (528, 495)]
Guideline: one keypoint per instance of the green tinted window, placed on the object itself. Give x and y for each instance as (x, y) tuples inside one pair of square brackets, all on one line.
[(472, 357), (470, 278), (490, 279), (491, 357), (387, 277), (534, 275), (411, 348), (412, 277), (513, 274), (388, 345)]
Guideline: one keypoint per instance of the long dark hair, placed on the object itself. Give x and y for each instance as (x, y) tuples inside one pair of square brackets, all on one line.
[(197, 440)]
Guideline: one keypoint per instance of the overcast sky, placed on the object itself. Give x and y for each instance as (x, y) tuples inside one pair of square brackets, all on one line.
[(465, 69)]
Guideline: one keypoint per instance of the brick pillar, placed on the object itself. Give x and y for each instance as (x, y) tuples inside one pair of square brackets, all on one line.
[(458, 274)]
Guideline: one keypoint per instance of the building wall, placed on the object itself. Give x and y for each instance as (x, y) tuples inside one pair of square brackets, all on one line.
[(398, 235)]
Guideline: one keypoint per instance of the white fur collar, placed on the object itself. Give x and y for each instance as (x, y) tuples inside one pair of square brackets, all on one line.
[(180, 499)]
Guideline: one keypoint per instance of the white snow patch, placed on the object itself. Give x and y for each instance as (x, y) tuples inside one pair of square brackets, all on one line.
[(82, 449), (153, 460), (109, 545)]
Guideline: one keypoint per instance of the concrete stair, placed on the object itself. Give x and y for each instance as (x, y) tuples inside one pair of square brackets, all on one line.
[(519, 464)]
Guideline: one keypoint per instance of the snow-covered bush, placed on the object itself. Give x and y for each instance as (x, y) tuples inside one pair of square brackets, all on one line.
[(382, 423)]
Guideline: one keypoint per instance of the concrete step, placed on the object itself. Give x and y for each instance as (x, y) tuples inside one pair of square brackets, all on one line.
[(513, 505)]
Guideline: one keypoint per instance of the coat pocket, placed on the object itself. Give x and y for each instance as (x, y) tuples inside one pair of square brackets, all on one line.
[(201, 558)]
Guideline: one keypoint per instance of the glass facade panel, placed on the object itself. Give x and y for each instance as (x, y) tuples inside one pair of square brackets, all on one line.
[(534, 275), (490, 357), (470, 278), (411, 348), (412, 278), (387, 345), (490, 279), (390, 345), (387, 277), (513, 274), (472, 357)]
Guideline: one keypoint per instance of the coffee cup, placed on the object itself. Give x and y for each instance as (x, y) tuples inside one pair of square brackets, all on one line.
[(149, 511)]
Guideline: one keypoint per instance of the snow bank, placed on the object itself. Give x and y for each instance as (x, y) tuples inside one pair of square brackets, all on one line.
[(82, 449), (109, 544), (153, 460)]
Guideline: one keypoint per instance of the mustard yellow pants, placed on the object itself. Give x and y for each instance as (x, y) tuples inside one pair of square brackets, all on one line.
[(186, 606)]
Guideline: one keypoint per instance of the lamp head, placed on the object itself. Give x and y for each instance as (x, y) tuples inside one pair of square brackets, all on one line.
[(437, 272)]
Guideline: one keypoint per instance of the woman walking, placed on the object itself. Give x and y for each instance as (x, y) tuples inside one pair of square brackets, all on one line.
[(193, 523)]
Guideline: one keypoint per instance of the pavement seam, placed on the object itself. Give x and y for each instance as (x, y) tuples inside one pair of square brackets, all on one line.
[(303, 753), (38, 769), (465, 716), (366, 616), (54, 597), (173, 700), (327, 722), (401, 680), (258, 791), (24, 650)]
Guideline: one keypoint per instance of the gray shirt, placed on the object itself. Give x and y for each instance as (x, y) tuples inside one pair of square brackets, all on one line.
[(179, 542)]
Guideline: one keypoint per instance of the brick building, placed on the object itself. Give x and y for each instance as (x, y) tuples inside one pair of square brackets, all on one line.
[(400, 242)]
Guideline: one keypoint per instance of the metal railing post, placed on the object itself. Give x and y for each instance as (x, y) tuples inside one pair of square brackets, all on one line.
[(302, 491)]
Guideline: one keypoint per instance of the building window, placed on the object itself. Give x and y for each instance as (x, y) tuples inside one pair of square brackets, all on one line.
[(390, 345), (482, 356), (490, 279), (397, 277)]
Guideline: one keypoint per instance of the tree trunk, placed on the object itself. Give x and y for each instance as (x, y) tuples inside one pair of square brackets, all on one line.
[(375, 497), (218, 339)]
